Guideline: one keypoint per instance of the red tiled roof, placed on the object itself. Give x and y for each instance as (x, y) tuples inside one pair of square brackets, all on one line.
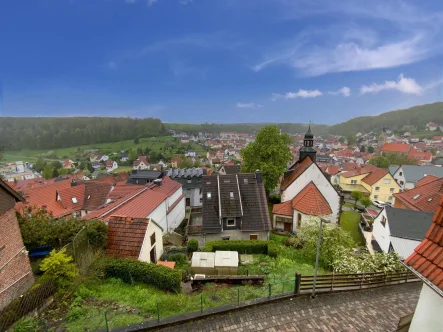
[(296, 170), (426, 196), (396, 147), (427, 258), (283, 209), (125, 237), (413, 154), (359, 171), (124, 189), (72, 194), (425, 180), (332, 170), (310, 201), (168, 187), (374, 176)]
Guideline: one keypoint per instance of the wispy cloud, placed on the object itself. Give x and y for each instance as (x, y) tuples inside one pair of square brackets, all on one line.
[(344, 91), (343, 45), (186, 2), (403, 84), (248, 105), (300, 94), (152, 2), (111, 65)]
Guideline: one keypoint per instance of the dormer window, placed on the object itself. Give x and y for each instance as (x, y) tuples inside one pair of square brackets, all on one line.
[(416, 196), (231, 195), (208, 195)]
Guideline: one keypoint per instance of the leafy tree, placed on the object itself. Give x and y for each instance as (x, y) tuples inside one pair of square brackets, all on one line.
[(270, 154), (380, 162), (48, 171), (39, 164), (342, 140), (132, 155), (197, 162), (351, 139), (356, 196), (399, 159), (60, 267), (89, 167), (62, 171), (185, 163), (371, 149), (192, 246), (136, 140), (82, 165), (365, 201), (56, 164)]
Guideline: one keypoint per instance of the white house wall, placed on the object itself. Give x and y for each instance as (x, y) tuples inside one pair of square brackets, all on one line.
[(312, 173), (428, 313), (159, 216), (146, 246), (176, 216), (380, 233), (399, 178)]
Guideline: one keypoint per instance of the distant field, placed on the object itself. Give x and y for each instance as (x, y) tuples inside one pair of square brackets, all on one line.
[(154, 143)]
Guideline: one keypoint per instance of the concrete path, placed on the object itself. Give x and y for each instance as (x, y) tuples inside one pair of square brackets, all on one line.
[(369, 310)]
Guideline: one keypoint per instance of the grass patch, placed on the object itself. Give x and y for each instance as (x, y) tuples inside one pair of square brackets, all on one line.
[(349, 221)]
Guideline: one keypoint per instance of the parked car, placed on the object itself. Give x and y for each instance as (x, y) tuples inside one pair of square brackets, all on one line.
[(379, 204)]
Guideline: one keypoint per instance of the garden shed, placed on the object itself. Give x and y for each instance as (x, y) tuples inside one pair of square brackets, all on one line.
[(226, 262), (203, 263)]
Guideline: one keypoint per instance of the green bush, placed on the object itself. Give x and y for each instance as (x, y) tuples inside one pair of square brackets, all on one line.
[(275, 199), (59, 267), (192, 246), (243, 247), (130, 270)]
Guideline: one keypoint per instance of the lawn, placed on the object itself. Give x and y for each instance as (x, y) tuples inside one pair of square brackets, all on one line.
[(349, 221), (154, 143)]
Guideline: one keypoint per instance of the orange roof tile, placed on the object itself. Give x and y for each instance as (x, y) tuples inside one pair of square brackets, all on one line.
[(296, 170), (374, 176), (425, 180), (171, 265), (332, 170), (423, 198), (396, 147), (358, 171), (283, 209), (427, 258), (125, 237), (310, 201)]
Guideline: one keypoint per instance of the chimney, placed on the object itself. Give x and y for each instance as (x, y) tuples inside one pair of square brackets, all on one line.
[(73, 183), (258, 176), (158, 182)]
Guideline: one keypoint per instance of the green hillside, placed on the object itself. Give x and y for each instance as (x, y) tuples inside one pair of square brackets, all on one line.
[(417, 116)]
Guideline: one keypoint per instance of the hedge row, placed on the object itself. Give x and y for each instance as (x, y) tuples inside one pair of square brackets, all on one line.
[(132, 270), (244, 247)]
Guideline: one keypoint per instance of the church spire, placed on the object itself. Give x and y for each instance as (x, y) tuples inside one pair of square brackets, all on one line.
[(308, 146)]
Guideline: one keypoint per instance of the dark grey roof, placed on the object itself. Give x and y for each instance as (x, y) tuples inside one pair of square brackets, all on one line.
[(438, 162), (248, 203), (185, 172), (149, 175), (232, 169), (408, 224), (414, 173), (393, 169)]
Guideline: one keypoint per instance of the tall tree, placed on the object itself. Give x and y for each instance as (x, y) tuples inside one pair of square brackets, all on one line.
[(356, 196), (371, 149), (351, 139), (48, 171), (39, 164), (380, 162), (270, 154)]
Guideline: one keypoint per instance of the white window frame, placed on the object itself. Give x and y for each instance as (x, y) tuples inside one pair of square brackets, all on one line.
[(228, 220)]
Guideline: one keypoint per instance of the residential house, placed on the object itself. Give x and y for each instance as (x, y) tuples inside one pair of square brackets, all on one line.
[(376, 183), (162, 202), (408, 175), (68, 163), (215, 162), (333, 172), (96, 165), (184, 139), (16, 275), (144, 176), (420, 157), (230, 152), (111, 165), (398, 148), (400, 230), (431, 126), (306, 193), (136, 238), (424, 197), (190, 154), (124, 156), (175, 161), (437, 139), (191, 181), (141, 163), (426, 263), (102, 158), (234, 208), (228, 170)]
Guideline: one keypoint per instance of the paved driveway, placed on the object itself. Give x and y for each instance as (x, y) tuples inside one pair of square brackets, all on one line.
[(368, 310)]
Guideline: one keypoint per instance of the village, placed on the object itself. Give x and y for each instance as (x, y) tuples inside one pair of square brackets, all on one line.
[(206, 221)]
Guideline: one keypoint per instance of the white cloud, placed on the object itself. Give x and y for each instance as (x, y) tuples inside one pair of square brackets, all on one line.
[(345, 91), (300, 94), (151, 2), (344, 45), (248, 105), (403, 84)]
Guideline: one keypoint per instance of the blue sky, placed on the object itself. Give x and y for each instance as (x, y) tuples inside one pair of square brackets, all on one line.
[(225, 61)]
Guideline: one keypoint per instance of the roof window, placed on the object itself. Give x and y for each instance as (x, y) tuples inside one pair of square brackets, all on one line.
[(416, 196), (430, 200), (74, 200), (231, 195), (208, 195)]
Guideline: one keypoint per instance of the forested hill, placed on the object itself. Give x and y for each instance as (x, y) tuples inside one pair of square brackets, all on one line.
[(417, 116), (49, 133), (249, 128)]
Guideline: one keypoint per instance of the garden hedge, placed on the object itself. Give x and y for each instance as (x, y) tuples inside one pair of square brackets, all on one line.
[(243, 247), (132, 270)]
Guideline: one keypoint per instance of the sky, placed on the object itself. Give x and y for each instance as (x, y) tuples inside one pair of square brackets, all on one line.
[(223, 61)]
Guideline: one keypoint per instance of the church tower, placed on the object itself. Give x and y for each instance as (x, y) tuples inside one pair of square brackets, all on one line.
[(308, 147)]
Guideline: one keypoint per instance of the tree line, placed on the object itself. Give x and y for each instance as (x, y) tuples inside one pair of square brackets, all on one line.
[(49, 133)]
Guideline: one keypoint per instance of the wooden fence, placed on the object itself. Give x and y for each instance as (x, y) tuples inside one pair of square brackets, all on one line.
[(353, 281)]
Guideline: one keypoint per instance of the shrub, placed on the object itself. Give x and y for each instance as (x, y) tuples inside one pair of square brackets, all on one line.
[(26, 324), (192, 246), (275, 199), (59, 267), (169, 253), (130, 270), (243, 247)]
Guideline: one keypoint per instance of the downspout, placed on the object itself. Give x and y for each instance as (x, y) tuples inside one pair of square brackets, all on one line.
[(219, 203)]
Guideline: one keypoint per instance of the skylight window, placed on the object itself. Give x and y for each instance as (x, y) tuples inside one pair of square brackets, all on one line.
[(416, 196), (208, 195), (231, 195), (430, 199), (89, 196), (74, 200)]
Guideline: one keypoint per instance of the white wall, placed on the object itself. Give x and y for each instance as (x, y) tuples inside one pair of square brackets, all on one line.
[(147, 246), (176, 216), (159, 216), (428, 313), (380, 233), (314, 174), (399, 178), (174, 196)]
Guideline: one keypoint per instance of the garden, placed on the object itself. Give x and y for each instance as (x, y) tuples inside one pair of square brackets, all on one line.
[(117, 292)]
